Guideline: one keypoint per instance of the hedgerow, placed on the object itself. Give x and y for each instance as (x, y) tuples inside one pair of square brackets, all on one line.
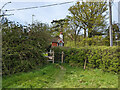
[(105, 58), (23, 51)]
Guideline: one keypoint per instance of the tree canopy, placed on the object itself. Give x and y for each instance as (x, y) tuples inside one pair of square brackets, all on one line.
[(89, 16)]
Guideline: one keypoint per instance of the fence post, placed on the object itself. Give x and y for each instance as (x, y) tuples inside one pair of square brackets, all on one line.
[(53, 56), (85, 64), (62, 57)]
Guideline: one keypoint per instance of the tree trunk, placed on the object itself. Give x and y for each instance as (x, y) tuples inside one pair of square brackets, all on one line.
[(75, 39), (84, 33), (89, 35)]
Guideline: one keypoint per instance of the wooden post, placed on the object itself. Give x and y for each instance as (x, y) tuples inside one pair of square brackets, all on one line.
[(85, 64), (53, 56), (62, 57)]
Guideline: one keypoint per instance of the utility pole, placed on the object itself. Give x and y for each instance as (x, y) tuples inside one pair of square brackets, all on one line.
[(1, 16), (32, 18), (119, 12), (0, 49), (110, 20)]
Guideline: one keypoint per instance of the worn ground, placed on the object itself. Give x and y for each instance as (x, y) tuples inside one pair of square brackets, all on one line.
[(61, 76)]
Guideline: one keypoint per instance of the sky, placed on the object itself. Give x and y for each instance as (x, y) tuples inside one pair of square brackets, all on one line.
[(46, 14)]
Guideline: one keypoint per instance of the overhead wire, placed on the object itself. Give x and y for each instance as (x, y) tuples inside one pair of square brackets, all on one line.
[(35, 7), (40, 6)]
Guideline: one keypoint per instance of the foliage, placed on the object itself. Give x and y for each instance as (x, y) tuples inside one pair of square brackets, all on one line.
[(52, 77), (116, 31), (57, 27), (94, 41), (74, 28), (89, 16), (105, 58), (22, 49)]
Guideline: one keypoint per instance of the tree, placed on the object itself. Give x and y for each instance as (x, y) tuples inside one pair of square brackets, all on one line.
[(89, 16), (74, 28), (115, 31), (57, 26)]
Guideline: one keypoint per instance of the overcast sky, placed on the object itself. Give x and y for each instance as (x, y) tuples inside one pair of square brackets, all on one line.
[(46, 14)]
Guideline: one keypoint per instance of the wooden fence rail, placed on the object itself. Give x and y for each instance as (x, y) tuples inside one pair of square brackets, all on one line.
[(51, 58)]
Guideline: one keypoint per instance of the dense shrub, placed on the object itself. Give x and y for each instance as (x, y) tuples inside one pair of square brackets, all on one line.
[(21, 58), (105, 58), (23, 51)]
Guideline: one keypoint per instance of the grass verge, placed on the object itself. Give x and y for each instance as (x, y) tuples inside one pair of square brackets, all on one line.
[(53, 76)]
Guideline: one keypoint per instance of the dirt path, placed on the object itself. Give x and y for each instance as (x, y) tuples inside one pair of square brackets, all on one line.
[(59, 78)]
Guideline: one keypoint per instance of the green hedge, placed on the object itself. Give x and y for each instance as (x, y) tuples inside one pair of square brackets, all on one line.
[(105, 58), (21, 51), (21, 58)]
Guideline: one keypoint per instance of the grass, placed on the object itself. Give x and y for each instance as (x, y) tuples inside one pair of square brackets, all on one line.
[(52, 76)]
